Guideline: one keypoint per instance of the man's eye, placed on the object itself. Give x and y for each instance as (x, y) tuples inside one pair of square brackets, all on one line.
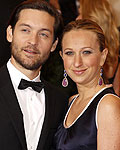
[(43, 34), (25, 30)]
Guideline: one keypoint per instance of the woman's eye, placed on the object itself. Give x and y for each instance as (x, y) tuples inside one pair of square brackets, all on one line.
[(87, 52), (69, 53)]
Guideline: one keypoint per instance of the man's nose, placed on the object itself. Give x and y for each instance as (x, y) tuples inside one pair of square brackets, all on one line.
[(33, 39)]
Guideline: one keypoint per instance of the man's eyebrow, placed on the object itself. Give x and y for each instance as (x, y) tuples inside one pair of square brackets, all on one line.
[(42, 29), (45, 29), (27, 25)]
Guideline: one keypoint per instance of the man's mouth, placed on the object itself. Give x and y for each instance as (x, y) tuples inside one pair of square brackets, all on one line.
[(30, 51)]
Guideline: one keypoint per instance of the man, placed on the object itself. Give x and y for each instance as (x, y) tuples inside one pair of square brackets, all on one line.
[(29, 117)]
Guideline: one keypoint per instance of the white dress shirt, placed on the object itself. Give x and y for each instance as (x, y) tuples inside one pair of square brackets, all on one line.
[(32, 105)]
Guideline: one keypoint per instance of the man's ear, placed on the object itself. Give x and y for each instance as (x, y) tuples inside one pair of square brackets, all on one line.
[(103, 56), (9, 33), (54, 45)]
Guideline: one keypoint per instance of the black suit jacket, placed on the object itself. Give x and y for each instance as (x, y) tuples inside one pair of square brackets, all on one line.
[(12, 135)]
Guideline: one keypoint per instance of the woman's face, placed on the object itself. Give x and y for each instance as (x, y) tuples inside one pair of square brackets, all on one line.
[(81, 56)]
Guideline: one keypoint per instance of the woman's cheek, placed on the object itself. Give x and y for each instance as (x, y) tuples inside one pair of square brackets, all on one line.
[(67, 63), (91, 61)]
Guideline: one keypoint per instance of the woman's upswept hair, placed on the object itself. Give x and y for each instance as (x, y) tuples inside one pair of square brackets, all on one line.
[(41, 5), (86, 24), (101, 12)]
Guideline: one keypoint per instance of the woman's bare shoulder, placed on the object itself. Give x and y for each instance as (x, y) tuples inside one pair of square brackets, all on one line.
[(110, 100), (109, 108)]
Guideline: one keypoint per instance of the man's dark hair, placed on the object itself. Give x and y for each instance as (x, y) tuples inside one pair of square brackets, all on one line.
[(41, 5)]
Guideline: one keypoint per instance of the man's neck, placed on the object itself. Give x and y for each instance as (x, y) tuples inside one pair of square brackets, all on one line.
[(31, 74)]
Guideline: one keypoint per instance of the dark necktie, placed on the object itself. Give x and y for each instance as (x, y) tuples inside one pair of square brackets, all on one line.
[(37, 86)]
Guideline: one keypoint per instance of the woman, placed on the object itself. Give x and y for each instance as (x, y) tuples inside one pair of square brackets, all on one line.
[(101, 12), (93, 118)]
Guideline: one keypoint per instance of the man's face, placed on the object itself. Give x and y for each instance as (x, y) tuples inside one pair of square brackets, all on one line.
[(32, 39)]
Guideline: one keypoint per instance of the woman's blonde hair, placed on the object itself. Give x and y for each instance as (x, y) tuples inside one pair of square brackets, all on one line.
[(101, 12), (86, 24)]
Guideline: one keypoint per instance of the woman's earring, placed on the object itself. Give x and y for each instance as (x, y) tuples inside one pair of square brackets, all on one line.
[(65, 80), (100, 81)]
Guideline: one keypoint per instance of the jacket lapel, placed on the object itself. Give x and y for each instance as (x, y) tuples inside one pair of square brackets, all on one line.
[(49, 110), (12, 105)]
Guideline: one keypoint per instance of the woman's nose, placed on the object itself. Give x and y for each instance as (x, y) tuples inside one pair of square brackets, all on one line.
[(78, 61)]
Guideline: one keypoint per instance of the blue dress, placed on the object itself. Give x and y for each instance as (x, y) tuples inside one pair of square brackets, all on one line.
[(82, 134)]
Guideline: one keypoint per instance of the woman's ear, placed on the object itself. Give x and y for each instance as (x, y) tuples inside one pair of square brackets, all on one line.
[(103, 56), (61, 53), (54, 45), (9, 33)]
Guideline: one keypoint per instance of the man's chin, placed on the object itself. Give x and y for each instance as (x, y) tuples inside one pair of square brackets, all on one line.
[(31, 67)]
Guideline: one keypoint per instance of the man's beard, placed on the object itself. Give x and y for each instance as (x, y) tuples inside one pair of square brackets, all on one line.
[(29, 65)]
